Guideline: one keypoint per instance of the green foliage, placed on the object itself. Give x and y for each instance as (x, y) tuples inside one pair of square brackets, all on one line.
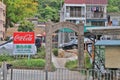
[(55, 51), (113, 6), (26, 26), (5, 57), (88, 64), (40, 53), (29, 63), (49, 9), (71, 64), (74, 64), (18, 10)]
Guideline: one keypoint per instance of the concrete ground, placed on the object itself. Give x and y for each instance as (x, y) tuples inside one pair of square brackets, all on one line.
[(59, 62)]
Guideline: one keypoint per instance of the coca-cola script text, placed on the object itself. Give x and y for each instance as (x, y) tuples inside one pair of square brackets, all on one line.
[(24, 38)]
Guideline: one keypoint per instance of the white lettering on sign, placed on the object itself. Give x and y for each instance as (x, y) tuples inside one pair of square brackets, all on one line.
[(27, 37)]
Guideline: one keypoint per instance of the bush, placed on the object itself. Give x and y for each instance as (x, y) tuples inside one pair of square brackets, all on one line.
[(40, 53), (71, 64), (5, 57), (32, 63), (74, 64), (55, 51), (88, 64)]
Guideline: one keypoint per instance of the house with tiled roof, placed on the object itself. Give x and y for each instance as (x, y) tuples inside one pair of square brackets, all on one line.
[(89, 12)]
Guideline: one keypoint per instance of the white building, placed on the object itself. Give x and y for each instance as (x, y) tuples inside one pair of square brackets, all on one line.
[(90, 12)]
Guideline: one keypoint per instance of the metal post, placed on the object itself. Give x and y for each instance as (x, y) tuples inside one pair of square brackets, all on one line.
[(46, 75), (4, 68), (11, 73)]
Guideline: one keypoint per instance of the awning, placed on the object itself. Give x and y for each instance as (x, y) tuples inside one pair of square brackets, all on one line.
[(39, 35), (108, 43), (85, 28), (66, 30)]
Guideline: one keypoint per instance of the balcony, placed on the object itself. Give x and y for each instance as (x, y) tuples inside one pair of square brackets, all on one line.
[(77, 15), (96, 15)]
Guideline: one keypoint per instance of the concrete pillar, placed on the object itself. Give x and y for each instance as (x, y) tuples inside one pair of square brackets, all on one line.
[(81, 51), (48, 46), (81, 45)]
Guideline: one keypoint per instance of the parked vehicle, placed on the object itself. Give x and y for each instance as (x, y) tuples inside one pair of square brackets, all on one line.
[(73, 44), (7, 47)]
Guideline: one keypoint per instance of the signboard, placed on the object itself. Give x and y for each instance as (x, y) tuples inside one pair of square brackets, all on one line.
[(24, 38), (24, 43)]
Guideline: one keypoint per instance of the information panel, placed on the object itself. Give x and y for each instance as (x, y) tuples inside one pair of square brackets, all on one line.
[(24, 43)]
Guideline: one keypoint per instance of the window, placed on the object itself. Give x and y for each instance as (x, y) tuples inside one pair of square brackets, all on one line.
[(75, 11)]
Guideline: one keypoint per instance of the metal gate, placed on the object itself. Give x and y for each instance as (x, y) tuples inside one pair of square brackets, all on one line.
[(63, 74), (57, 74)]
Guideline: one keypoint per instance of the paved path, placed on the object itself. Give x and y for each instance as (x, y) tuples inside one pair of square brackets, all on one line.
[(60, 62)]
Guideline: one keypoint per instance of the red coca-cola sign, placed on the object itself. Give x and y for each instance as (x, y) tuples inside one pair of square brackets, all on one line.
[(24, 38)]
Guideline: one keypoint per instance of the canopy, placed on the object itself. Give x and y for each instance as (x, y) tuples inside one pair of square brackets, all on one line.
[(66, 30)]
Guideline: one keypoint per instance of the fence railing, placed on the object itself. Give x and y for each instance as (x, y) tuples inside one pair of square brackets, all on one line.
[(57, 74), (63, 74), (1, 74)]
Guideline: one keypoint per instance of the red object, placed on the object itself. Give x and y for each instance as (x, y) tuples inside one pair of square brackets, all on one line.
[(24, 38), (44, 34), (86, 2)]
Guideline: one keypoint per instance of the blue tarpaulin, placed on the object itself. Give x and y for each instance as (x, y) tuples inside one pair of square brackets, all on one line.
[(108, 43)]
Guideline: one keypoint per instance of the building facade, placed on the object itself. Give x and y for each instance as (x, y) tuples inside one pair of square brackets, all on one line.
[(89, 12), (2, 20), (114, 18), (93, 13)]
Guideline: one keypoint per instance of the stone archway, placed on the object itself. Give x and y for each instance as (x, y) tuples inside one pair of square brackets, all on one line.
[(52, 27)]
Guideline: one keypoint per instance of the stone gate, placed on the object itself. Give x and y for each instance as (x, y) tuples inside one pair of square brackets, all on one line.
[(51, 28)]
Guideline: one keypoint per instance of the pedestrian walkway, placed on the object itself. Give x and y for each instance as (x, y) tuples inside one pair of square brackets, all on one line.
[(60, 62)]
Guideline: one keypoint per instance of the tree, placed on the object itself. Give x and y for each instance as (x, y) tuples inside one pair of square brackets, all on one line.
[(49, 9), (113, 6), (26, 26), (18, 10)]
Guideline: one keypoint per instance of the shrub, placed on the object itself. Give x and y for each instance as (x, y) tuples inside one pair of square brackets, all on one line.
[(29, 63), (55, 51), (6, 57), (88, 64), (40, 53), (71, 64), (74, 64)]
